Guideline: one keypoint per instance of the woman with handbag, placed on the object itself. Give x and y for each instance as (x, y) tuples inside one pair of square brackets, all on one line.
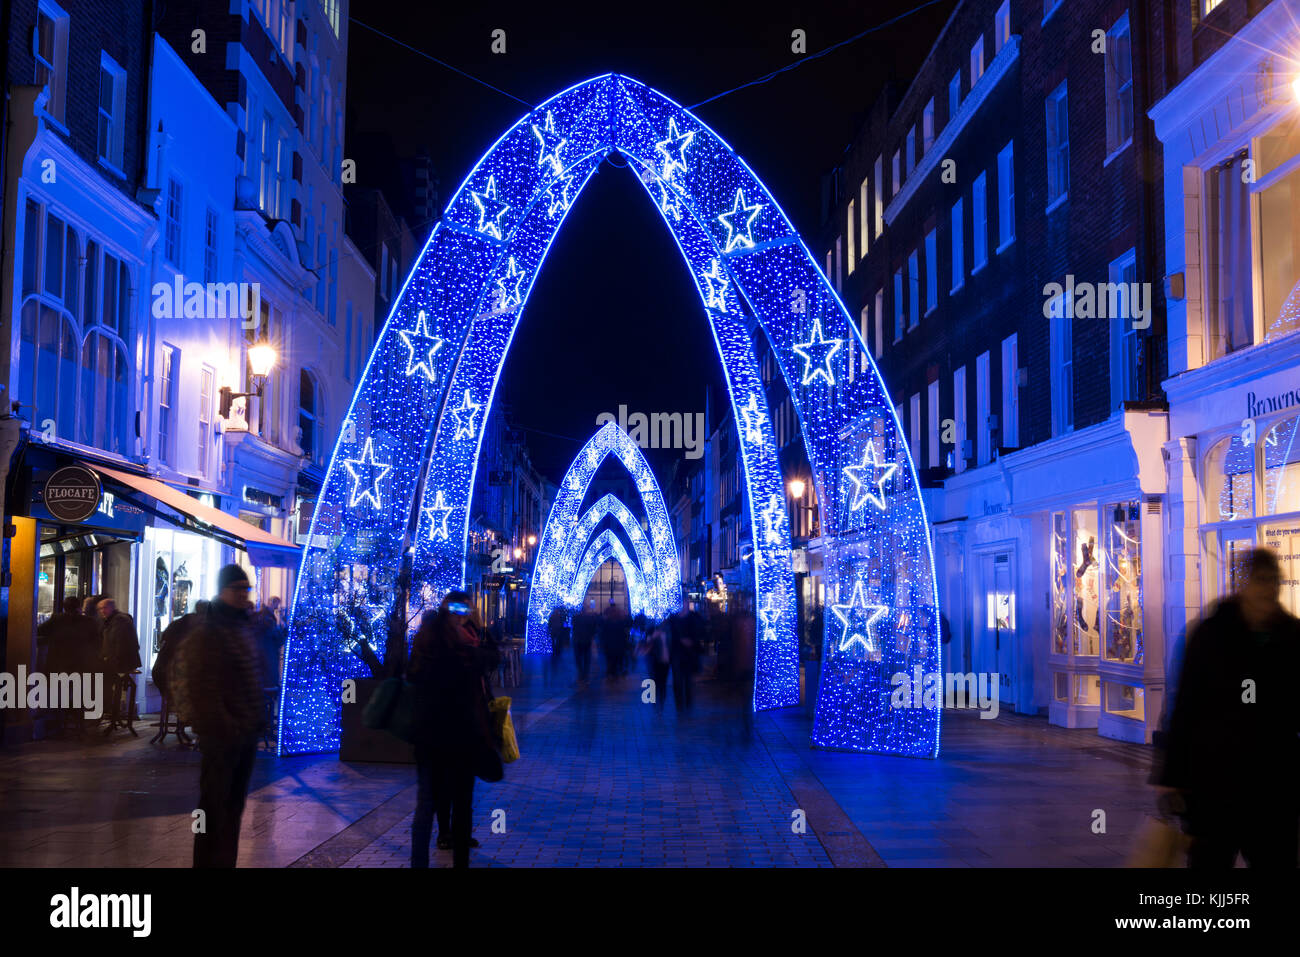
[(453, 737)]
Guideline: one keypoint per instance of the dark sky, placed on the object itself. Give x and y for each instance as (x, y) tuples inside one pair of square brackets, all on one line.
[(614, 317)]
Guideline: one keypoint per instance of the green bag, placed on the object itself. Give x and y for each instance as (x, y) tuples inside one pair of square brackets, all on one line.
[(392, 708)]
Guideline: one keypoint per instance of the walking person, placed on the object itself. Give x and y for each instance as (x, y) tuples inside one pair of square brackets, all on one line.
[(682, 655), (585, 624), (450, 660), (613, 640), (656, 647), (172, 637), (72, 645), (741, 639), (120, 649), (1232, 751), (557, 627), (217, 680)]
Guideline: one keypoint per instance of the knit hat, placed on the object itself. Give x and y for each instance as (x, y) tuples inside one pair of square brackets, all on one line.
[(231, 575)]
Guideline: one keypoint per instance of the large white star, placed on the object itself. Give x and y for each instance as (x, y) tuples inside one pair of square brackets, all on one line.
[(824, 349), (551, 143), (559, 196), (508, 296), (490, 209), (675, 143), (465, 417), (734, 236), (753, 417), (769, 615), (670, 203), (716, 282), (421, 343), (856, 606), (772, 521), (439, 512), (862, 485), (372, 479)]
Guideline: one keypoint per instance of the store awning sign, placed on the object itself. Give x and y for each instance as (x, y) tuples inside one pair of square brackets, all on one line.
[(72, 493)]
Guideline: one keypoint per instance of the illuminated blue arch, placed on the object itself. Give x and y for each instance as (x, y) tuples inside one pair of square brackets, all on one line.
[(566, 534), (555, 567), (602, 548), (402, 473)]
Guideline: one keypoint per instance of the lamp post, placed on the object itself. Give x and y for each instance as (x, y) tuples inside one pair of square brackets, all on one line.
[(261, 360)]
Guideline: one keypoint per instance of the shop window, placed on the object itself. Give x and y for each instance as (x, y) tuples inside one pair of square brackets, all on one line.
[(1087, 690), (1279, 209), (1085, 621), (1281, 448), (1060, 686), (1124, 582), (1229, 266), (1126, 701), (1060, 584), (1230, 481)]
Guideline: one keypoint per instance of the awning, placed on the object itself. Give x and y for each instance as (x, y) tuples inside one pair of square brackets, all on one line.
[(264, 549)]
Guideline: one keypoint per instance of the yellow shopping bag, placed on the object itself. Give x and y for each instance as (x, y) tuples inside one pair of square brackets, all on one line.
[(504, 729)]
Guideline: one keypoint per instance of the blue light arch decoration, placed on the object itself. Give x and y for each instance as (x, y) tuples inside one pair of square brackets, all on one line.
[(565, 535), (402, 473), (601, 549)]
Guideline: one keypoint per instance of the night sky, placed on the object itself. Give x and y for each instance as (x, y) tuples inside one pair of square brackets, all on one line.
[(614, 317)]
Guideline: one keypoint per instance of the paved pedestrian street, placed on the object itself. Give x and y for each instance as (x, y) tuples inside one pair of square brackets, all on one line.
[(606, 781)]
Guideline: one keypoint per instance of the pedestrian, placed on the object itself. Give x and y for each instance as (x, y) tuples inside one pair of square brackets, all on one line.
[(557, 627), (72, 648), (613, 639), (1232, 751), (172, 637), (450, 661), (656, 647), (741, 639), (585, 624), (270, 636), (120, 650), (217, 680), (682, 654)]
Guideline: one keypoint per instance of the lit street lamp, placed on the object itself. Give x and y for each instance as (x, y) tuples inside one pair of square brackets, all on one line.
[(261, 360)]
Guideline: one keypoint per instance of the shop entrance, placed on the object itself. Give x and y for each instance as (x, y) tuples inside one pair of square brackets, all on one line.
[(995, 622)]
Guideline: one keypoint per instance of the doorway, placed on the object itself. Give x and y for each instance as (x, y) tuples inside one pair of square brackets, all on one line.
[(995, 627)]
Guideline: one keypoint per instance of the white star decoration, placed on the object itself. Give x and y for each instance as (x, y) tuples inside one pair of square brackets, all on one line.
[(669, 202), (824, 349), (439, 512), (490, 209), (851, 635), (716, 294), (734, 237), (753, 417), (372, 479), (508, 296), (772, 521), (421, 343), (551, 143), (862, 492), (676, 143), (465, 417), (769, 615), (559, 196)]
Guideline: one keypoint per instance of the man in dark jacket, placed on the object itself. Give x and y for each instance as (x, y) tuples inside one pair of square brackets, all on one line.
[(72, 643), (585, 624), (120, 649), (217, 680), (1232, 750), (557, 627)]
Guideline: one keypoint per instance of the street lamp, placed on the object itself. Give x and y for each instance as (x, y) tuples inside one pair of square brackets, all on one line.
[(796, 488), (261, 360), (532, 540)]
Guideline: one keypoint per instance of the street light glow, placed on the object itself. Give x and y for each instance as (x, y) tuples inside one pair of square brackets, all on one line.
[(796, 488), (261, 358)]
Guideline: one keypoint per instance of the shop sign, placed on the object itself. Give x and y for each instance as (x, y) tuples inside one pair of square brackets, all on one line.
[(72, 493)]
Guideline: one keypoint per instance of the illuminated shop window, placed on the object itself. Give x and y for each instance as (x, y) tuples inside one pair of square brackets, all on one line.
[(1124, 582), (1085, 616), (1126, 701)]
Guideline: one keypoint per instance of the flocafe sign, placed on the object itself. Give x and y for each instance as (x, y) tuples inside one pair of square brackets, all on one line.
[(72, 493)]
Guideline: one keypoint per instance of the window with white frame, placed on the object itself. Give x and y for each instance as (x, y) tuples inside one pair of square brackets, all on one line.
[(1119, 86), (1058, 144), (959, 419), (931, 270), (1006, 196), (1061, 355), (112, 111), (927, 127), (172, 224), (879, 171), (1010, 393), (897, 170), (898, 304), (914, 428), (976, 60), (880, 322), (1229, 262), (210, 245), (863, 214), (983, 450), (848, 231), (308, 414), (979, 224), (1124, 342), (207, 379), (932, 416), (168, 370), (913, 290), (50, 50), (1001, 26), (958, 249), (954, 95)]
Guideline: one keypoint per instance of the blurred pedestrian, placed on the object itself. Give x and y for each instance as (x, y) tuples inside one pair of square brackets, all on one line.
[(450, 661), (72, 648), (742, 665), (656, 648), (613, 639), (172, 637), (1232, 751), (217, 680), (683, 652), (120, 650), (270, 636), (585, 624), (557, 627)]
